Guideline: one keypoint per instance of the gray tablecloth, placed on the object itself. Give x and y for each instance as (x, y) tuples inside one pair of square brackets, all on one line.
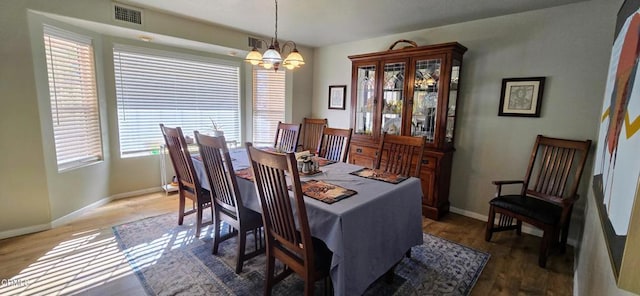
[(368, 232)]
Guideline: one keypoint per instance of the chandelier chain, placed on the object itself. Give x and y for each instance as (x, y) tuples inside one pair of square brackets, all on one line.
[(276, 35)]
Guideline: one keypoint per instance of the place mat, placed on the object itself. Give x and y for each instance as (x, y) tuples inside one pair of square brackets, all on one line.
[(325, 192), (379, 175), (246, 174)]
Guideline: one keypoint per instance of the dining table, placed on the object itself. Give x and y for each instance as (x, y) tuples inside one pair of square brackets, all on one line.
[(368, 232)]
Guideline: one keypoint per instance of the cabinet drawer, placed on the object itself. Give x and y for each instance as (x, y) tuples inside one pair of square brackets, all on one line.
[(364, 151), (429, 162), (362, 155)]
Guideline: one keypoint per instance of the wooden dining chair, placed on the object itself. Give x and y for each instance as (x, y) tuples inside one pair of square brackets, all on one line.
[(401, 154), (287, 137), (228, 206), (549, 190), (188, 183), (312, 132), (287, 233), (334, 144)]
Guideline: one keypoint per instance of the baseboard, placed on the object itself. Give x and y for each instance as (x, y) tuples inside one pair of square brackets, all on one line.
[(526, 229), (24, 230), (135, 193), (75, 214)]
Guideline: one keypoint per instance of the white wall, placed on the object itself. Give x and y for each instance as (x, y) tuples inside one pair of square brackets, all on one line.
[(34, 193), (570, 45)]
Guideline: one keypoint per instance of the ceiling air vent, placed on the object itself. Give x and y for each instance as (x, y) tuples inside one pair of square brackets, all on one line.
[(127, 14), (253, 42)]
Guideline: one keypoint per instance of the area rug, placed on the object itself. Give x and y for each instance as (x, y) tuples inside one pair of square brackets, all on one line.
[(169, 260)]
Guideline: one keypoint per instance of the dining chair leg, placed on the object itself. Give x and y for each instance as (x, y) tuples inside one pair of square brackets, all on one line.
[(216, 236), (492, 217), (328, 286), (269, 276), (242, 239), (519, 227), (544, 247), (181, 209), (563, 239), (198, 221), (309, 284), (255, 239), (565, 233)]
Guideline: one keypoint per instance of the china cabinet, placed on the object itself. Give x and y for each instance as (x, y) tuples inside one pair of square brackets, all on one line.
[(410, 91)]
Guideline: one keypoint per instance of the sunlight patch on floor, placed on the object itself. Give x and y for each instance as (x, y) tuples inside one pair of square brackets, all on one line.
[(72, 266), (88, 260)]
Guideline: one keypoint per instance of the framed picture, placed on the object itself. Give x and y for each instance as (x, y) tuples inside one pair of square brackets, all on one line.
[(337, 96), (521, 96)]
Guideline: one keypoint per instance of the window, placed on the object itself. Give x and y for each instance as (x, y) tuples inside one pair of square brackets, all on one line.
[(74, 99), (154, 87), (268, 104)]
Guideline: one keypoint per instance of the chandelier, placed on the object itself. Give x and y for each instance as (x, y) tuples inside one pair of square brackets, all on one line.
[(272, 57)]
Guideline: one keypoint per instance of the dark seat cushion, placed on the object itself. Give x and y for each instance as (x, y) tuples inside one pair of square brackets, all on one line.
[(252, 218), (529, 207)]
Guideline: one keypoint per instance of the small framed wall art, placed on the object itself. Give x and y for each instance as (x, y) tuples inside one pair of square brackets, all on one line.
[(337, 96), (521, 96)]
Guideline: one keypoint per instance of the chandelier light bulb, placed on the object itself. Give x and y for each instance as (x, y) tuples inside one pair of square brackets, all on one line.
[(295, 58), (271, 56), (254, 57)]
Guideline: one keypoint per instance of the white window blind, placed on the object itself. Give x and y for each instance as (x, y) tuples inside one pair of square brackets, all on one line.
[(179, 91), (74, 100), (268, 104)]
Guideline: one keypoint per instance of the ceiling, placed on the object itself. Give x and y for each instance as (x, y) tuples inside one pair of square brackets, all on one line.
[(326, 22)]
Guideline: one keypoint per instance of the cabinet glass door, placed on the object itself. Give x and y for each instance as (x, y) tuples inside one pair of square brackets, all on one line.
[(393, 96), (425, 98), (453, 98), (365, 102)]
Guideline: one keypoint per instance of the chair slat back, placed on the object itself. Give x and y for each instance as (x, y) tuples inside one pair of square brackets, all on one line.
[(280, 212), (220, 172), (312, 132), (287, 136), (555, 167), (180, 157), (402, 154), (334, 143)]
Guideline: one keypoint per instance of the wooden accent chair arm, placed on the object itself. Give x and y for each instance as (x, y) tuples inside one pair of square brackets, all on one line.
[(499, 184), (507, 182)]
